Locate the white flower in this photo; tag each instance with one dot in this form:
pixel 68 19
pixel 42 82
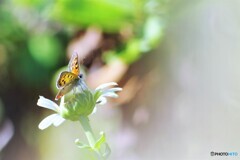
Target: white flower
pixel 55 118
pixel 107 92
pixel 82 103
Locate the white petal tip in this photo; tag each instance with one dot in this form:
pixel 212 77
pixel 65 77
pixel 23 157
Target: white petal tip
pixel 46 122
pixel 105 85
pixel 94 110
pixel 110 94
pixel 47 103
pixel 101 100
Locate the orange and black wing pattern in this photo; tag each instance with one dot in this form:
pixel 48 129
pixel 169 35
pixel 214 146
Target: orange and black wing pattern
pixel 65 78
pixel 73 65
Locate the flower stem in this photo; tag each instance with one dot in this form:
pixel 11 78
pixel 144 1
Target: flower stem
pixel 90 136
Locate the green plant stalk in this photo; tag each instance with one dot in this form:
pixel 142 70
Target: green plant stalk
pixel 90 135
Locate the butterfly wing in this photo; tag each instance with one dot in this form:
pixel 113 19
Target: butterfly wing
pixel 66 78
pixel 73 65
pixel 64 90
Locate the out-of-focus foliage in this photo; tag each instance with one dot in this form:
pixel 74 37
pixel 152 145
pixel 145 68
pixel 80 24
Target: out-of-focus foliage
pixel 48 53
pixel 34 37
pixel 28 53
pixel 106 14
pixel 138 22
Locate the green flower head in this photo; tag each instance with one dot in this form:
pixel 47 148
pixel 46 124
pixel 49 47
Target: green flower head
pixel 77 103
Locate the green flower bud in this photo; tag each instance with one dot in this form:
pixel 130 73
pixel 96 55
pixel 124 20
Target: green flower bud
pixel 76 105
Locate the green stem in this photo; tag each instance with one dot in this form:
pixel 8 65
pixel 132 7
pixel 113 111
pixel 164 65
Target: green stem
pixel 90 136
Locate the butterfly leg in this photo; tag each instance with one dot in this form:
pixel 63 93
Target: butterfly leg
pixel 81 88
pixel 82 85
pixel 74 92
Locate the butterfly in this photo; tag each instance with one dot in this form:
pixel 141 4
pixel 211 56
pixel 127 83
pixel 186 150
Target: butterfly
pixel 70 79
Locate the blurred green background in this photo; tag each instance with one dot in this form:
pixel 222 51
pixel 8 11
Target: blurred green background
pixel 177 62
pixel 37 37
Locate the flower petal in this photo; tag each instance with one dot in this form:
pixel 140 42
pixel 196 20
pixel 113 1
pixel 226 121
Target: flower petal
pixel 110 94
pixel 46 122
pixel 46 103
pixel 58 120
pixel 116 89
pixel 105 85
pixel 94 110
pixel 101 100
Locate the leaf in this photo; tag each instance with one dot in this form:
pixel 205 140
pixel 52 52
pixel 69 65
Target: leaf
pixel 48 53
pixel 97 94
pixel 107 151
pixel 122 13
pixel 82 145
pixel 153 31
pixel 132 51
pixel 100 141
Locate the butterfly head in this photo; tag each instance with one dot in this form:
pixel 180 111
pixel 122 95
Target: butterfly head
pixel 80 76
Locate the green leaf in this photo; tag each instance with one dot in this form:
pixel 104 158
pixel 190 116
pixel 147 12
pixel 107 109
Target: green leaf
pixel 100 141
pixel 82 145
pixel 87 13
pixel 152 33
pixel 107 151
pixel 96 95
pixel 45 49
pixel 132 51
